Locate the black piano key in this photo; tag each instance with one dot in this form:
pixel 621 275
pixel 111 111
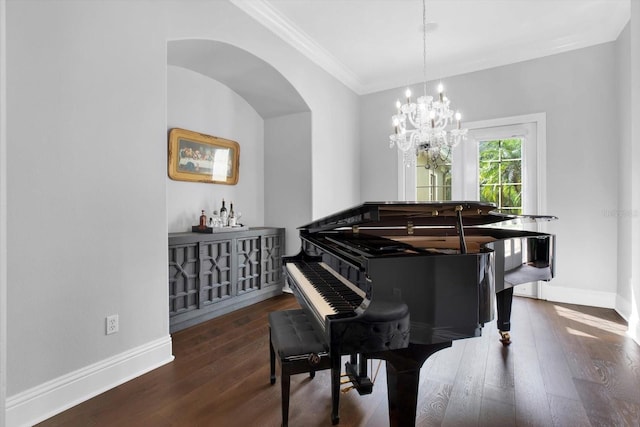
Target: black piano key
pixel 339 296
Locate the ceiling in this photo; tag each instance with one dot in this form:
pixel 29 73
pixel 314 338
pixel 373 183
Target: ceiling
pixel 373 45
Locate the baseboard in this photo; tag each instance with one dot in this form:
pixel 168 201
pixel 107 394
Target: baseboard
pixel 634 329
pixel 625 308
pixel 553 293
pixel 46 400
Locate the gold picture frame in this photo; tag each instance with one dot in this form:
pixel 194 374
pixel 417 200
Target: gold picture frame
pixel 198 157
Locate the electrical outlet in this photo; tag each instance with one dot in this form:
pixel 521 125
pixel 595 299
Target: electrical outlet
pixel 112 324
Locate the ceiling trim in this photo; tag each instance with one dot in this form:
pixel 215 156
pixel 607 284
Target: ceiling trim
pixel 273 20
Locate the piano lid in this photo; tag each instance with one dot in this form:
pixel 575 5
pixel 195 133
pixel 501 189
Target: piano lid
pixel 401 214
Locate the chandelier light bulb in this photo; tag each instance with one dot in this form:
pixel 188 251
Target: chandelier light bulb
pixel 440 88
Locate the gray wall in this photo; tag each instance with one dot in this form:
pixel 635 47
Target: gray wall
pixel 577 90
pixel 86 192
pixel 3 214
pixel 632 252
pixel 287 177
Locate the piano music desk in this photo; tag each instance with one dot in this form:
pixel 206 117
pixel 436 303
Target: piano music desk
pixel 299 348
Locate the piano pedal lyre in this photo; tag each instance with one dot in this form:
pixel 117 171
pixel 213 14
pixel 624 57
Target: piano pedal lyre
pixel 505 337
pixel 346 380
pixel 347 389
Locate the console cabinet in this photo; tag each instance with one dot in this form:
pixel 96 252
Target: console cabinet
pixel 214 274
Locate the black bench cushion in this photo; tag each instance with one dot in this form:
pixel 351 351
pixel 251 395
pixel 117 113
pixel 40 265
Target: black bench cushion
pixel 292 334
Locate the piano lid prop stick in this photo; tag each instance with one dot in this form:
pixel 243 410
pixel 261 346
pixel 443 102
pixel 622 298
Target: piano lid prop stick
pixel 460 227
pixel 373 381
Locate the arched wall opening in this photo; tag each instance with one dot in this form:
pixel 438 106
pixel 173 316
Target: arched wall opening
pixel 219 89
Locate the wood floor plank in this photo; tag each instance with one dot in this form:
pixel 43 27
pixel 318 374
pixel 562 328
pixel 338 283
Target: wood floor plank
pixel 564 410
pixel 629 412
pixel 556 373
pixel 568 341
pixel 568 365
pixel 466 395
pixel 433 403
pixel 532 407
pixel 601 408
pixel 497 412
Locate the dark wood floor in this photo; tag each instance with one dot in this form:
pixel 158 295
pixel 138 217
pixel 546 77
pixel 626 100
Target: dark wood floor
pixel 568 366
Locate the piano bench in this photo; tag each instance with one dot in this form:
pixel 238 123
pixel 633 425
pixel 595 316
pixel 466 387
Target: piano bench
pixel 299 348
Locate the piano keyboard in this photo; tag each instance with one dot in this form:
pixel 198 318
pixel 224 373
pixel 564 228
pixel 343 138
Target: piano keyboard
pixel 325 290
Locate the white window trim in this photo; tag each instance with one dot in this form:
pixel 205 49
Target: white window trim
pixel 539 162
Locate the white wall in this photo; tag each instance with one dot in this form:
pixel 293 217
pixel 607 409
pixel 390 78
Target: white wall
pixel 86 211
pixel 287 183
pixel 624 212
pixel 201 104
pixel 3 214
pixel 633 252
pixel 86 195
pixel 577 92
pixel 87 183
pixel 335 158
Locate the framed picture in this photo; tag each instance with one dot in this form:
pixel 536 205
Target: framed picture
pixel 198 157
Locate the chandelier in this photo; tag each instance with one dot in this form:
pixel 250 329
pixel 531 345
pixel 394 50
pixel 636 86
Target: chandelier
pixel 420 128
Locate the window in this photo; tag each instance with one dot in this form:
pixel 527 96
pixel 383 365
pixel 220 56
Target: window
pixel 512 154
pixel 500 173
pixel 432 184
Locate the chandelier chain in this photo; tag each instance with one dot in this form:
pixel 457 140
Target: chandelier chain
pixel 424 46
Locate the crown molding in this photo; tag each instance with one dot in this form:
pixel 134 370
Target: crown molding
pixel 265 14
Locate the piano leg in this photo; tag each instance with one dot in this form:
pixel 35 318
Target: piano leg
pixel 504 299
pixel 335 388
pixel 403 379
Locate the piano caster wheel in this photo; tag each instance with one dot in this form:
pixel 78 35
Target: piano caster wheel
pixel 505 338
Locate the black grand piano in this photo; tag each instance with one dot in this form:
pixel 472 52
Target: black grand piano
pixel 399 281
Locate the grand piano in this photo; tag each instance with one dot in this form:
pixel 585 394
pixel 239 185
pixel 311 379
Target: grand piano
pixel 399 281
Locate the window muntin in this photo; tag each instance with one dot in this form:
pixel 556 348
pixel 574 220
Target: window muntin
pixel 500 173
pixel 432 184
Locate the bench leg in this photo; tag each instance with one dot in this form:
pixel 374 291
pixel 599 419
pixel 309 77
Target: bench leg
pixel 272 360
pixel 285 380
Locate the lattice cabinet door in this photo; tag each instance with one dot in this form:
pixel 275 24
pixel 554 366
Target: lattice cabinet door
pixel 183 278
pixel 215 271
pixel 248 252
pixel 211 274
pixel 272 251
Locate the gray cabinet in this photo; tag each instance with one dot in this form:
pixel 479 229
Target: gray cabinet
pixel 214 274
